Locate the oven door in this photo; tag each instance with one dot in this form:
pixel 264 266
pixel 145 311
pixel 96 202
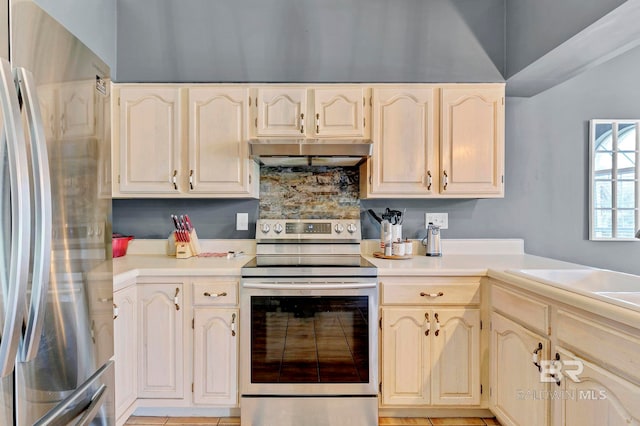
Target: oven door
pixel 309 336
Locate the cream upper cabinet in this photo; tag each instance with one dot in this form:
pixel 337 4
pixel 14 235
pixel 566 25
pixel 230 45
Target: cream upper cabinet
pixel 404 160
pixel 430 341
pixel 160 340
pixel 316 112
pixel 281 112
pixel 339 112
pixel 182 141
pixel 125 348
pixel 472 140
pixel 148 150
pixel 218 152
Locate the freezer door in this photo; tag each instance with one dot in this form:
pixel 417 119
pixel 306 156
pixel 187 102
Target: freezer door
pixel 91 404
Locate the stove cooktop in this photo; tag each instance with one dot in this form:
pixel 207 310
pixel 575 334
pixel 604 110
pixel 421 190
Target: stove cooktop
pixel 309 266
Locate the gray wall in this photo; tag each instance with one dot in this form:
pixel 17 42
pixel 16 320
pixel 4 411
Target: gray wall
pixel 535 27
pixel 310 40
pixel 92 21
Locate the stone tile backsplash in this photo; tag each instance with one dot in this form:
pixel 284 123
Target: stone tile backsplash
pixel 309 193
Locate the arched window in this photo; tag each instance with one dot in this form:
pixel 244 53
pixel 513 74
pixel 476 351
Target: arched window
pixel 615 167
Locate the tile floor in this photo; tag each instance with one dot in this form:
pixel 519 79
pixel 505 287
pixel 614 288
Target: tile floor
pixel 384 421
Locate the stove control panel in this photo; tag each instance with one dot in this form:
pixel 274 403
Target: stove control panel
pixel 308 229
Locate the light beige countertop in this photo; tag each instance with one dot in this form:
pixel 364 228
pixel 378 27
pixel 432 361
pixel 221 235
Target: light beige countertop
pixel 493 258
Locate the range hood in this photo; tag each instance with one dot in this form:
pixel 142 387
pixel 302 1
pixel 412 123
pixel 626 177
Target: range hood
pixel 310 152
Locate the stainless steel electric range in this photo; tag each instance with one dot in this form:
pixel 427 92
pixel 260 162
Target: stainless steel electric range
pixel 309 311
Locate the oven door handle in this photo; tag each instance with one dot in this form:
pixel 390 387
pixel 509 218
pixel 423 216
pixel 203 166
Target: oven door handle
pixel 309 286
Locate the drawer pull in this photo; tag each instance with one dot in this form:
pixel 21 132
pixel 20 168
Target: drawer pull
pixel 233 325
pixel 214 295
pixel 427 325
pixel 535 357
pixel 557 377
pixel 438 294
pixel 116 311
pixel 437 332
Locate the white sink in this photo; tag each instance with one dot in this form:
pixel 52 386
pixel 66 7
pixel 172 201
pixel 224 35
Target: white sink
pixel 585 280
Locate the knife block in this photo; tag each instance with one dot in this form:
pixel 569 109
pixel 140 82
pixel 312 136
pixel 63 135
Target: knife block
pixel 185 250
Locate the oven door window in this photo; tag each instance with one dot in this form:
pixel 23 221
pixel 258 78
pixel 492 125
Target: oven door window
pixel 309 339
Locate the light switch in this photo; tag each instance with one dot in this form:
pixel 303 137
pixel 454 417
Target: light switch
pixel 242 221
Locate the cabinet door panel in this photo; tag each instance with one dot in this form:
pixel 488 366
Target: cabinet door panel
pixel 472 144
pixel 405 357
pixel 404 135
pixel 515 382
pixel 338 112
pixel 218 151
pixel 599 398
pixel 281 112
pixel 125 348
pixel 149 140
pixel 161 342
pixel 215 352
pixel 455 368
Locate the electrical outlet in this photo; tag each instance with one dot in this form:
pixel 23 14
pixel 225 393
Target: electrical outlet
pixel 440 219
pixel 242 221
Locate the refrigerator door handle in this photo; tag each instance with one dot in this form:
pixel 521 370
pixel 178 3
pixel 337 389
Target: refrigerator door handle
pixel 42 215
pixel 16 281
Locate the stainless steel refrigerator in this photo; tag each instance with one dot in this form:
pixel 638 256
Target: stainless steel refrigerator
pixel 56 312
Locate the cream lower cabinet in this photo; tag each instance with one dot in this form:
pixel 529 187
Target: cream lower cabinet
pixel 125 332
pixel 431 345
pixel 161 340
pixel 181 141
pixel 215 341
pixel 430 356
pixel 518 397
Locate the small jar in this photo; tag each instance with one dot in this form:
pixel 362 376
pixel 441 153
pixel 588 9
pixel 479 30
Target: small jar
pixel 398 248
pixel 408 248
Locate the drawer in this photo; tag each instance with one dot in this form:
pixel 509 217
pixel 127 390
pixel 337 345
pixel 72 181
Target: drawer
pixel 599 343
pixel 521 308
pixel 450 291
pixel 209 293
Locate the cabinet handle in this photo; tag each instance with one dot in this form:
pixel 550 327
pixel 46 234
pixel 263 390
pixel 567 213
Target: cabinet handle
pixel 438 294
pixel 116 311
pixel 214 295
pixel 317 123
pixel 302 123
pixel 191 179
pixel 445 179
pixel 175 299
pixel 429 180
pixel 557 377
pixel 427 325
pixel 93 332
pixel 535 356
pixel 174 180
pixel 105 299
pixel 233 325
pixel 437 332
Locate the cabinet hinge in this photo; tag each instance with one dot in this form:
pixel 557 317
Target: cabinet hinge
pixel 249 100
pixel 380 323
pixel 118 100
pixel 249 179
pixel 192 387
pixel 490 392
pixel 480 324
pixel 502 178
pixel 490 326
pixel 370 102
pixel 502 101
pixel 193 323
pixel 480 389
pixel 256 122
pixel 549 331
pixel 364 122
pixel 380 387
pixel 364 102
pixel 118 178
